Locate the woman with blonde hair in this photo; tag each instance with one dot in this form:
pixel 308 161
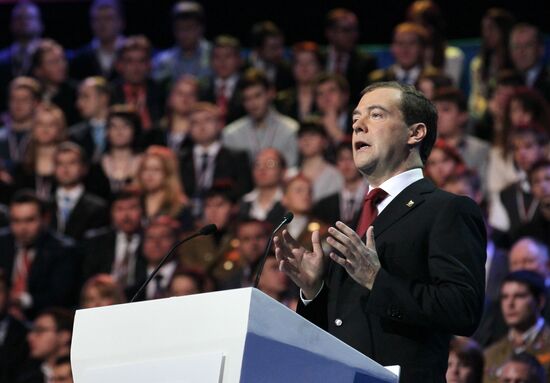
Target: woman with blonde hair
pixel 101 290
pixel 159 181
pixel 37 167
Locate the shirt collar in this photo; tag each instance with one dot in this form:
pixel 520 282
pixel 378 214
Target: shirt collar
pixel 212 149
pixel 529 336
pixel 398 183
pixel 73 194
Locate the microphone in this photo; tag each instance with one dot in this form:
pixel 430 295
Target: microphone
pixel 286 220
pixel 206 230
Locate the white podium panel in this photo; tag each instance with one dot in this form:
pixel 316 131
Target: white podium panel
pixel 229 336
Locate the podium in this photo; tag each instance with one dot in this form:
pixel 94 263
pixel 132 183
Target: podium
pixel 229 336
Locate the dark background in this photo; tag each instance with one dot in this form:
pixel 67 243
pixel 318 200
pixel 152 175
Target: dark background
pixel 67 21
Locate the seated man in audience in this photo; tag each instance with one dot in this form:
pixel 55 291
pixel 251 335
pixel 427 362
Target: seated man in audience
pixel 210 161
pixel 262 127
pixel 76 211
pixel 263 203
pixel 158 238
pixel 61 372
pixel 49 338
pixel 135 87
pixel 98 57
pixel 93 104
pixel 522 299
pixel 203 253
pixel 522 368
pixel 222 87
pixel 41 268
pixel 452 116
pixel 116 250
pixel 24 94
pixel 539 179
pixel 236 268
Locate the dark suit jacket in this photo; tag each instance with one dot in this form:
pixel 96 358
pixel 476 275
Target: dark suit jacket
pixel 235 109
pixel 65 98
pixel 82 135
pixel 90 212
pixel 287 103
pixel 274 216
pixel 431 284
pixel 155 98
pixel 85 63
pixel 99 253
pixel 14 349
pixel 230 165
pixel 328 209
pixel 54 273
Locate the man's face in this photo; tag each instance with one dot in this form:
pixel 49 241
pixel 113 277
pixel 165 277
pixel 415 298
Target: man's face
pixel 90 102
pixel 106 23
pixel 526 150
pixel 519 306
pixel 252 241
pixel 344 34
pixel 187 33
pixel 53 67
pixel 298 197
pixel 25 222
pixel 256 101
pixel 217 210
pixel 525 255
pixel 380 136
pixel 267 170
pixel 407 49
pixel 329 97
pixel 205 127
pixel 514 372
pixel 62 374
pixel 134 66
pixel 69 169
pixel 44 339
pixel 525 50
pixel 21 104
pixel 26 22
pixel 346 166
pixel 182 97
pixel 226 61
pixel 449 118
pixel 157 243
pixel 540 185
pixel 272 49
pixel 126 215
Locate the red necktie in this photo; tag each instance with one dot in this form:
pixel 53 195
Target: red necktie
pixel 221 98
pixel 369 212
pixel 21 275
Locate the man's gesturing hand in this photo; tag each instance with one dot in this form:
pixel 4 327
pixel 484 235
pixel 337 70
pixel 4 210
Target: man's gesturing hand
pixel 360 260
pixel 303 267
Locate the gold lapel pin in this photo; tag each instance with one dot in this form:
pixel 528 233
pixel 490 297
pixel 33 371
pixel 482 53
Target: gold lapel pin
pixel 410 203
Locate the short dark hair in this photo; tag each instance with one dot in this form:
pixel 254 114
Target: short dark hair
pixel 534 281
pixel 64 359
pixel 338 79
pixel 469 175
pixel 262 30
pixel 126 193
pixel 312 125
pixel 416 108
pixel 135 43
pixel 114 4
pixel 28 196
pixel 537 373
pixel 63 318
pixel 540 164
pixel 129 114
pixel 188 10
pixel 470 354
pixel 227 41
pixel 453 95
pixel 71 147
pixel 253 77
pixel 522 26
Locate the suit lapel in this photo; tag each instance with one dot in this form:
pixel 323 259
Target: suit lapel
pixel 405 202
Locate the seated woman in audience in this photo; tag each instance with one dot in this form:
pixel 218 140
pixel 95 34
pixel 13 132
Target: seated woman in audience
pixel 444 161
pixel 159 181
pixel 36 171
pixel 465 361
pixel 120 161
pixel 524 107
pixel 432 80
pixel 298 102
pixel 173 129
pixel 276 284
pixel 101 290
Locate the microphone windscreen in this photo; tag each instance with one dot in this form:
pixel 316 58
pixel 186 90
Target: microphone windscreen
pixel 288 217
pixel 208 229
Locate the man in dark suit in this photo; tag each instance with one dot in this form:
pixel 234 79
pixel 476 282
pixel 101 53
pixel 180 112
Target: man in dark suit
pixel 420 277
pixel 222 88
pixel 75 210
pixel 41 268
pixel 116 250
pixel 210 162
pixel 98 57
pixel 342 56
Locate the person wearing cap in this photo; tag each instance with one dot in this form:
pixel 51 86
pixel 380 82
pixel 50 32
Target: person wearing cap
pixel 191 53
pixel 522 299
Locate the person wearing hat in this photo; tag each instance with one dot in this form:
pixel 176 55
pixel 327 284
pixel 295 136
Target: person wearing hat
pixel 191 53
